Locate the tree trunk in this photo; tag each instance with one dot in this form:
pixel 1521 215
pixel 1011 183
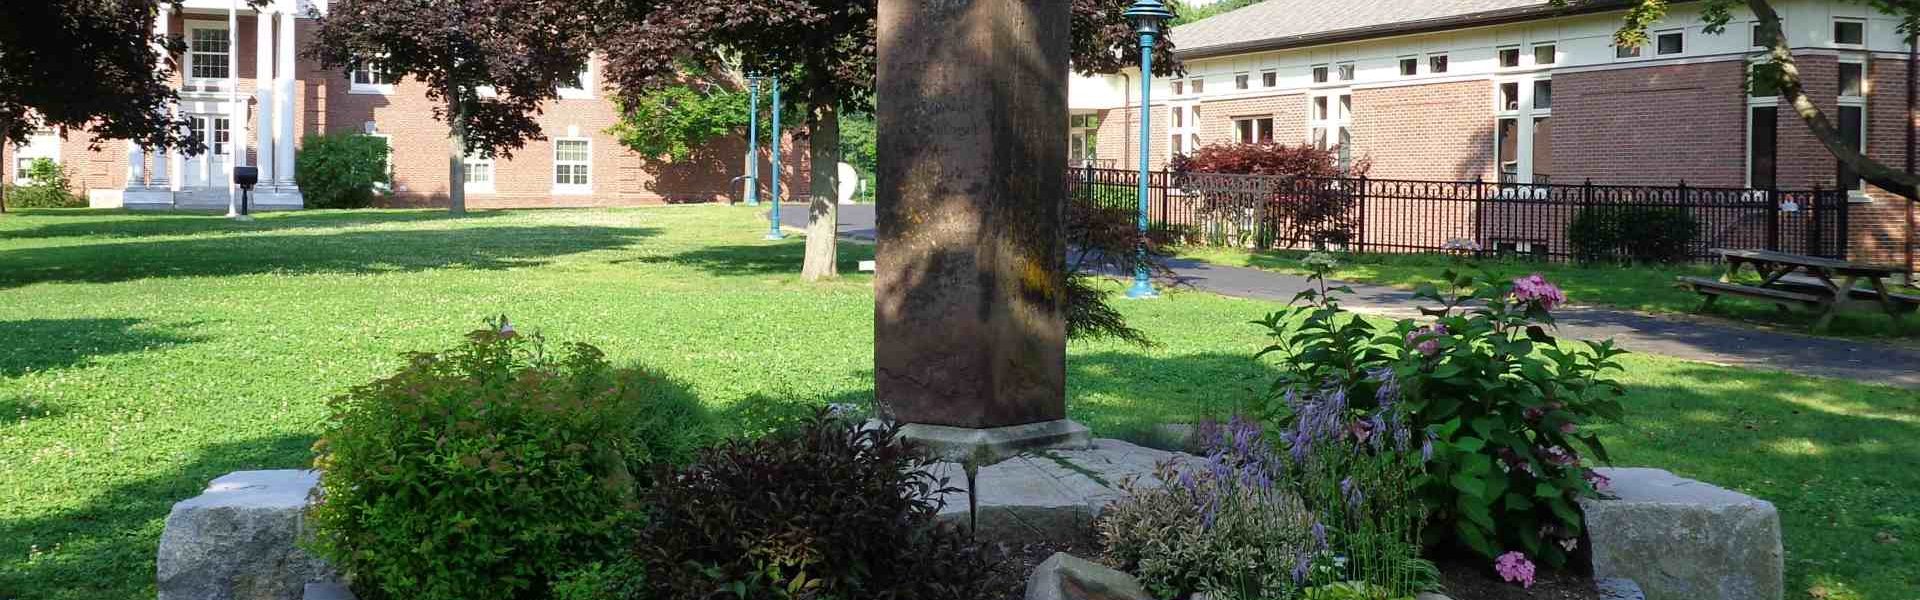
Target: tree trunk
pixel 823 211
pixel 1907 185
pixel 457 163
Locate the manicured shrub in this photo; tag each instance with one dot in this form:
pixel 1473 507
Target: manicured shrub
pixel 1267 159
pixel 1639 234
pixel 1494 402
pixel 829 509
pixel 1254 523
pixel 491 470
pixel 48 186
pixel 1297 200
pixel 342 170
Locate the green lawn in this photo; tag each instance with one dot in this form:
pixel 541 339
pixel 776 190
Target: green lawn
pixel 1642 288
pixel 142 355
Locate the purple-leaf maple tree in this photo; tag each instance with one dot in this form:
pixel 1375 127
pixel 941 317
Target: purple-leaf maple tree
pixel 489 65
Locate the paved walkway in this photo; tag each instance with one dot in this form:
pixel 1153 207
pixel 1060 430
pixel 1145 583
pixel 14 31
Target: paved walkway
pixel 1678 338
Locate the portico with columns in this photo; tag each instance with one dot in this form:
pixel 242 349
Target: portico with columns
pixel 243 118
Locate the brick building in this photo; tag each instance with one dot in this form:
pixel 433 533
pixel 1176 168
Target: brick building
pixel 1519 91
pixel 252 98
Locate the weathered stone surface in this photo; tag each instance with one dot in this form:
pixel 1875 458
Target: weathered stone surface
pixel 238 540
pixel 1681 539
pixel 328 591
pixel 1049 495
pixel 999 443
pixel 969 315
pixel 1619 589
pixel 1067 577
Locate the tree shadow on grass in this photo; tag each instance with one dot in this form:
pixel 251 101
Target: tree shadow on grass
pixel 45 344
pixel 1124 395
pixel 102 223
pixel 1840 461
pixel 764 259
pixel 489 248
pixel 105 547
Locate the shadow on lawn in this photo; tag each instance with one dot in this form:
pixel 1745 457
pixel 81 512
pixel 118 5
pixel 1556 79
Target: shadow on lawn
pixel 1125 394
pixel 44 344
pixel 105 547
pixel 768 259
pixel 141 224
pixel 293 253
pixel 1838 461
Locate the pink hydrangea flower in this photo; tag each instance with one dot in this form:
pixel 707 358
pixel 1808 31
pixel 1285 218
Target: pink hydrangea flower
pixel 1515 568
pixel 1535 289
pixel 1425 339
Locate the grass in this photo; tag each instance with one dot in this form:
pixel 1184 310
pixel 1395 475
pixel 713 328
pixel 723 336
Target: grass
pixel 143 355
pixel 1641 288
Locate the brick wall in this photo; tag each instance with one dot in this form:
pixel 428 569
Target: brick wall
pixel 1654 126
pixel 1441 131
pixel 1118 138
pixel 1289 114
pixel 1879 228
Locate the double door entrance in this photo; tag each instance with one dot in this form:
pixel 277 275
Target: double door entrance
pixel 213 168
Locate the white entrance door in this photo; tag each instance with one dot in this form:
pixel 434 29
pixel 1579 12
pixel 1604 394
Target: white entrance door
pixel 210 169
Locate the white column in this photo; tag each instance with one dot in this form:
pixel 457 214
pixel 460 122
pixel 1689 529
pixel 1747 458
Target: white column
pixel 136 166
pixel 263 82
pixel 283 97
pixel 163 162
pixel 236 110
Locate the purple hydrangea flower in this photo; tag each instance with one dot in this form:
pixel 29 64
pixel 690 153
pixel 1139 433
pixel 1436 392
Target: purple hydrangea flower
pixel 1534 289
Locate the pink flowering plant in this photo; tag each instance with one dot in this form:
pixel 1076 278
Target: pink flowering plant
pixel 1496 407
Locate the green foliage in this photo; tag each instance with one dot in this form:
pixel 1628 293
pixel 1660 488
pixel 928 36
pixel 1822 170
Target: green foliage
pixel 48 186
pixel 1632 234
pixel 859 139
pixel 829 509
pixel 1187 14
pixel 342 170
pixel 1251 523
pixel 491 470
pixel 676 120
pixel 1497 402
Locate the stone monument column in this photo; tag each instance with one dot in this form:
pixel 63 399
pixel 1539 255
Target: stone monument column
pixel 969 321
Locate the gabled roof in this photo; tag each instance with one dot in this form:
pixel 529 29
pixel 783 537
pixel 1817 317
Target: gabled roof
pixel 1277 24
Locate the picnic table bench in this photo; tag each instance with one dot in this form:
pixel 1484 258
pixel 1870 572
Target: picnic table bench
pixel 1806 281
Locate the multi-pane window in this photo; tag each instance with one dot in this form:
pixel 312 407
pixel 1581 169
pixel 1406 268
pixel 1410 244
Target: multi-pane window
pixel 1853 79
pixel 1543 94
pixel 1546 54
pixel 572 163
pixel 576 87
pixel 1510 96
pixel 43 144
pixel 1437 63
pixel 1242 81
pixel 371 75
pixel 209 56
pixel 1346 71
pixel 1331 125
pixel 1179 87
pixel 1184 136
pixel 1669 43
pixel 1409 66
pixel 1523 132
pixel 1763 147
pixel 479 172
pixel 1509 57
pixel 1257 130
pixel 1853 128
pixel 1269 79
pixel 1626 52
pixel 1849 32
pixel 215 132
pixel 1199 85
pixel 1320 74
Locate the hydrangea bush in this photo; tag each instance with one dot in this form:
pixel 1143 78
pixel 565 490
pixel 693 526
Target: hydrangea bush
pixel 1495 404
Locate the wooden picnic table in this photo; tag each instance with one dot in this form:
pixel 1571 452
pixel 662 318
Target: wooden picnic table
pixel 1823 285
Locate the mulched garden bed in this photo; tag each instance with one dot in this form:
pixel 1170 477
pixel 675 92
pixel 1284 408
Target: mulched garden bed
pixel 1474 579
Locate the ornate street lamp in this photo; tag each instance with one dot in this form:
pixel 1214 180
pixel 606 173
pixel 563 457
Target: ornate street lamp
pixel 1149 17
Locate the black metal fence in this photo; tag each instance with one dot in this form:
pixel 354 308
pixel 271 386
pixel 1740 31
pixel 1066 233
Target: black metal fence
pixel 1541 220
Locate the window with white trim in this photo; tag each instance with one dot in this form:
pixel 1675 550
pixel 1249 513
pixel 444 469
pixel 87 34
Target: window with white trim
pixel 42 144
pixel 1626 52
pixel 1242 81
pixel 371 76
pixel 580 87
pixel 1669 43
pixel 1319 73
pixel 572 165
pixel 1199 86
pixel 1509 57
pixel 209 53
pixel 479 176
pixel 1345 70
pixel 1254 130
pixel 1436 63
pixel 1523 130
pixel 1851 119
pixel 1184 136
pixel 1546 54
pixel 1849 32
pixel 1409 66
pixel 1269 78
pixel 1763 132
pixel 1330 124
